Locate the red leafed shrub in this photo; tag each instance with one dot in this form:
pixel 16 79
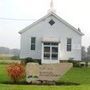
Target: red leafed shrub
pixel 16 71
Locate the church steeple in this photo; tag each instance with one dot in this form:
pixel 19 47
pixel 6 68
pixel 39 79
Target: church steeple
pixel 52 7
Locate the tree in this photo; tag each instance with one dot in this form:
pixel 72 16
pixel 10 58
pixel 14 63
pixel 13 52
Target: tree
pixel 88 53
pixel 83 53
pixel 88 50
pixel 16 72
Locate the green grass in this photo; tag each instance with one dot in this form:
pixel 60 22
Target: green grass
pixel 34 87
pixel 75 75
pixel 3 73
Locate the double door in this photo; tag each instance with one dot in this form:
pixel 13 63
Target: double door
pixel 50 52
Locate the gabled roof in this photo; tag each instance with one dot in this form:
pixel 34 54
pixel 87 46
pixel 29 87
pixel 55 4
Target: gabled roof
pixel 60 19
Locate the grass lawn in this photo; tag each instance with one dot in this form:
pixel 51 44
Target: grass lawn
pixel 3 73
pixel 75 75
pixel 32 87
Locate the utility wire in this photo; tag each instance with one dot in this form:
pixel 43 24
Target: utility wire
pixel 1 18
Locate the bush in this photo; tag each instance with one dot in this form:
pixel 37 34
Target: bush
pixel 75 63
pixel 27 60
pixel 86 63
pixel 16 71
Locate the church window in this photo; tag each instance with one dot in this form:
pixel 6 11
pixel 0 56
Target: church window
pixel 33 42
pixel 69 44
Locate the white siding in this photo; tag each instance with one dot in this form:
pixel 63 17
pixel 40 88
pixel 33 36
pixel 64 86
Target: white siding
pixel 58 30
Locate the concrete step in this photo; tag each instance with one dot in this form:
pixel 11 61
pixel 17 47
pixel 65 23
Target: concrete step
pixel 53 72
pixel 46 72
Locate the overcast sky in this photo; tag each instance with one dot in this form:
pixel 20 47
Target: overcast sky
pixel 17 14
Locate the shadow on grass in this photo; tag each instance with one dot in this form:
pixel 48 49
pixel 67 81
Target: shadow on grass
pixel 17 83
pixel 56 83
pixel 67 83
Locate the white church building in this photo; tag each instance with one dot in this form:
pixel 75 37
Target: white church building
pixel 51 39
